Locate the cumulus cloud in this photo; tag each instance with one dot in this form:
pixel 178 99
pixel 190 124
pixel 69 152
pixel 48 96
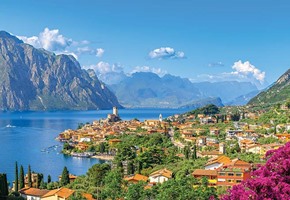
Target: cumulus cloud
pixel 53 40
pixel 248 70
pixel 110 74
pixel 243 72
pixel 100 52
pixel 157 71
pixel 50 40
pixel 166 53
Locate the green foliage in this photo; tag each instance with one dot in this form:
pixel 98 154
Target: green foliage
pixel 183 189
pixel 21 177
pixel 268 140
pixel 64 177
pixel 97 173
pixel 206 110
pixel 136 191
pixel 3 186
pixel 16 178
pixel 29 176
pixel 113 185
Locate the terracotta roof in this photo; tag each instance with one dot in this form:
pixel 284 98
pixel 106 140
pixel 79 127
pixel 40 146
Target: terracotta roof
pixel 203 172
pixel 220 159
pixel 88 196
pixel 33 192
pixel 137 177
pixel 62 192
pixel 162 172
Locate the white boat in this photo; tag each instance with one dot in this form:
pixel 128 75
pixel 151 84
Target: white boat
pixel 10 126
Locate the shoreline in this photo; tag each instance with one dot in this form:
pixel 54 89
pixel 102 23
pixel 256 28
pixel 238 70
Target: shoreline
pixel 103 157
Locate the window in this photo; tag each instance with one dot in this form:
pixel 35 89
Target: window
pixel 231 174
pixel 222 173
pixel 238 181
pixel 239 174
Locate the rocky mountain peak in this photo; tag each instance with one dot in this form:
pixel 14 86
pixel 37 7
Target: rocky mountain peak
pixel 284 78
pixel 35 79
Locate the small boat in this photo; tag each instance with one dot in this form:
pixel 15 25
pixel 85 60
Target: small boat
pixel 10 126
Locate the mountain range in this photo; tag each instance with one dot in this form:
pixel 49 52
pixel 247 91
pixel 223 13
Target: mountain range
pixel 147 89
pixel 36 79
pixel 279 92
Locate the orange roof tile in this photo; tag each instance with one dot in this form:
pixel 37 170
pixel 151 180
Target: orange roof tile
pixel 33 192
pixel 137 177
pixel 62 192
pixel 220 159
pixel 204 172
pixel 162 172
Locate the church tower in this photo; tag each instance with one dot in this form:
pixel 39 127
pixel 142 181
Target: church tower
pixel 160 118
pixel 115 111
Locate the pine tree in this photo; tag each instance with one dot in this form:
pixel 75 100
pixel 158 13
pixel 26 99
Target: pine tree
pixel 21 178
pixel 64 177
pixel 16 178
pixel 29 176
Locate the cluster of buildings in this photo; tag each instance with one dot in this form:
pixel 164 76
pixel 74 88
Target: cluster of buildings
pixel 97 132
pixel 56 194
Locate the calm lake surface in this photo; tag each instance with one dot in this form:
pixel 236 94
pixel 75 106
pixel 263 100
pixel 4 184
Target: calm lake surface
pixel 24 134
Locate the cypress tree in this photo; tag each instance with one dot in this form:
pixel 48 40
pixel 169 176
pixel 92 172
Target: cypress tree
pixel 130 168
pixel 64 177
pixel 48 179
pixel 29 177
pixel 21 178
pixel 16 178
pixel 194 156
pixel 3 186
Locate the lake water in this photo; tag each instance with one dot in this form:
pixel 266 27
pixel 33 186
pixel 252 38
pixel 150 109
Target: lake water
pixel 24 134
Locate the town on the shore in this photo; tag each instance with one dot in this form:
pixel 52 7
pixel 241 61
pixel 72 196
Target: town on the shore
pixel 215 148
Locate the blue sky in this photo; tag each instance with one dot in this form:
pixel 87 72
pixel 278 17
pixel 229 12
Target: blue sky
pixel 245 40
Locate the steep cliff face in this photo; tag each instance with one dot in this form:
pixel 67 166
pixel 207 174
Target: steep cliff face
pixel 279 92
pixel 35 79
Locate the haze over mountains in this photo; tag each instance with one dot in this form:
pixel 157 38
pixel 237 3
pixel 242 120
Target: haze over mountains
pixel 35 79
pixel 147 89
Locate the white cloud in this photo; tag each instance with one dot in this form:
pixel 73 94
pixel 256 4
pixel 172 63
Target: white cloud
pixel 110 74
pixel 166 53
pixel 248 70
pixel 52 40
pixel 100 52
pixel 157 71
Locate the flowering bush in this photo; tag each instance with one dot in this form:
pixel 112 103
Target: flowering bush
pixel 269 182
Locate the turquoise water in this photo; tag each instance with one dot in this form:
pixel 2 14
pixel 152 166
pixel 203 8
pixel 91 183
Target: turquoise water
pixel 24 134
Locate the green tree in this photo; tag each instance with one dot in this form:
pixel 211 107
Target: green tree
pixel 3 186
pixel 194 153
pixel 130 167
pixel 136 191
pixel 48 179
pixel 16 178
pixel 102 147
pixel 186 152
pixel 29 176
pixel 21 178
pixel 97 173
pixel 64 177
pixel 113 185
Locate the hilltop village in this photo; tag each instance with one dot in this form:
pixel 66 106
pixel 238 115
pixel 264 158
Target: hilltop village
pixel 198 154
